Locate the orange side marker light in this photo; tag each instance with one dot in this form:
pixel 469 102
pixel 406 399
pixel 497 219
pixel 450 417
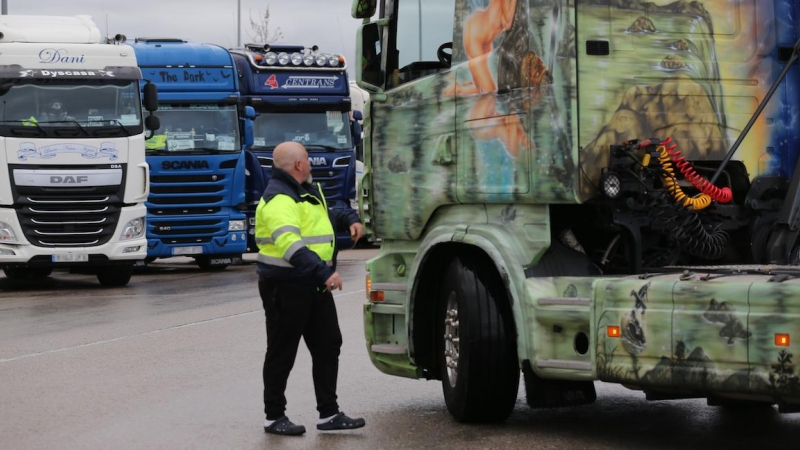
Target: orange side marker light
pixel 782 340
pixel 613 331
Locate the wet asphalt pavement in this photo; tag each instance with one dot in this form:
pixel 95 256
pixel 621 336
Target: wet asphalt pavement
pixel 173 361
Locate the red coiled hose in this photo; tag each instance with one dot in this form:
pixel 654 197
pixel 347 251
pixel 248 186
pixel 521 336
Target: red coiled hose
pixel 721 195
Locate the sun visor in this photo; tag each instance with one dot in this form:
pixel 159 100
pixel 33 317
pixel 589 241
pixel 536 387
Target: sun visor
pixel 107 73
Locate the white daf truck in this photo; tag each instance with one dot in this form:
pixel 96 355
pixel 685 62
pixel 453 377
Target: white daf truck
pixel 73 176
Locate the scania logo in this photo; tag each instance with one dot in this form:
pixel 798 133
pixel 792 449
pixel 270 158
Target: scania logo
pixel 68 179
pixel 184 165
pixel 318 160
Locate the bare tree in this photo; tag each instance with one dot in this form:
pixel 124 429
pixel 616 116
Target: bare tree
pixel 261 33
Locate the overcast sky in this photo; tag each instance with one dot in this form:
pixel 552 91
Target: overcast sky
pixel 326 23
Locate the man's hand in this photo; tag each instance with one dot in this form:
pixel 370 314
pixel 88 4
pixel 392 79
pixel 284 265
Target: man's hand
pixel 334 282
pixel 356 231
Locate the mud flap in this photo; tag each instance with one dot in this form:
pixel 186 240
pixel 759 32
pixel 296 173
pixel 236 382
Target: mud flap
pixel 542 393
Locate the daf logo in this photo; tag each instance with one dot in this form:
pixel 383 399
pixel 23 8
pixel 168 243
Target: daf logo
pixel 318 160
pixel 184 165
pixel 68 179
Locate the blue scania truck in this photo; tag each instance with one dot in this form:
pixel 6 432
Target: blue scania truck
pixel 196 207
pixel 301 94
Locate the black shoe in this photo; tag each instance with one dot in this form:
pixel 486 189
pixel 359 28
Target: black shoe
pixel 285 427
pixel 341 422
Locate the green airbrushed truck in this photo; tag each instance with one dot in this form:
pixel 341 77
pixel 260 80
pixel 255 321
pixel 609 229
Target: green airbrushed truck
pixel 582 190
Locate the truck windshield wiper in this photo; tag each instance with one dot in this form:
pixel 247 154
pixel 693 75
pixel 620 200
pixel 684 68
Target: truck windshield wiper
pixel 124 128
pixel 30 128
pixel 77 124
pixel 329 148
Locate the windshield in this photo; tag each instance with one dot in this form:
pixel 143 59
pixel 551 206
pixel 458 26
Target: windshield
pixel 196 128
pixel 317 131
pixel 40 107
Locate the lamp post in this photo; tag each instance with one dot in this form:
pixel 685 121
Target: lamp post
pixel 4 7
pixel 238 23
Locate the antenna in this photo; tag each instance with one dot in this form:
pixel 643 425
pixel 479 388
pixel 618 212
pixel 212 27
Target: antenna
pixel 106 25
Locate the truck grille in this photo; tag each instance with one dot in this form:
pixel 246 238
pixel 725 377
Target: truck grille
pixel 66 216
pixel 332 181
pixel 184 209
pixel 67 220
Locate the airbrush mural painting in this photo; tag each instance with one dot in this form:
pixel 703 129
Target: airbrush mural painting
pixel 524 113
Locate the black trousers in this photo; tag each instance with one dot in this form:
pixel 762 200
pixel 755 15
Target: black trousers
pixel 294 311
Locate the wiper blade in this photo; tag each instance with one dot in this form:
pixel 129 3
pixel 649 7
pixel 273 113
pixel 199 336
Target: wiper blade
pixel 124 128
pixel 26 128
pixel 75 122
pixel 329 148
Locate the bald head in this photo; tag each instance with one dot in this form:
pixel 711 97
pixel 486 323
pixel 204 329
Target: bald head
pixel 292 158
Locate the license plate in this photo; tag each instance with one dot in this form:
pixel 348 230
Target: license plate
pixel 71 257
pixel 194 250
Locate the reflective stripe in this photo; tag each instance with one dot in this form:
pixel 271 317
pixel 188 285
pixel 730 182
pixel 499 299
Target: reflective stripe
pixel 285 229
pixel 272 261
pixel 292 229
pixel 324 239
pixel 293 249
pixel 269 260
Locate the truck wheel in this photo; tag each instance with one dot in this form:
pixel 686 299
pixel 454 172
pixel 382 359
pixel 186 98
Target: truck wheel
pixel 40 272
pixel 477 355
pixel 15 273
pixel 114 276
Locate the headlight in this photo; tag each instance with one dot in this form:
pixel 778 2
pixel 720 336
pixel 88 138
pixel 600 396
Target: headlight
pixel 322 60
pixel 308 59
pixel 611 185
pixel 283 58
pixel 133 230
pixel 297 59
pixel 333 60
pixel 270 58
pixel 7 235
pixel 236 225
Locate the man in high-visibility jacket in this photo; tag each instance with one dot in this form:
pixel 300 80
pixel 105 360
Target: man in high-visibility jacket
pixel 295 237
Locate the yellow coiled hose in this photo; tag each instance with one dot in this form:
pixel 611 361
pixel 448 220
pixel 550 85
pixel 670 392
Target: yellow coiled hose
pixel 698 202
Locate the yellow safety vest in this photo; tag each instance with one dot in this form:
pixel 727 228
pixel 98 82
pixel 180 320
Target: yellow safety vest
pixel 283 226
pixel 157 142
pixel 30 122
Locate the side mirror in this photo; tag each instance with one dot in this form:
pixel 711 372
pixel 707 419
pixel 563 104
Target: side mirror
pixel 150 97
pixel 247 129
pixel 363 9
pixel 357 115
pixel 249 113
pixel 248 133
pixel 152 123
pixel 356 131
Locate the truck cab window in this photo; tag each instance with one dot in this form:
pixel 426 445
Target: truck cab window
pixel 422 27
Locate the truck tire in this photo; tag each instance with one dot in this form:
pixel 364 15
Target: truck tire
pixel 114 276
pixel 477 344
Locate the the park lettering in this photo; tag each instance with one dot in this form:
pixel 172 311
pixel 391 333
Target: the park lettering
pixel 189 76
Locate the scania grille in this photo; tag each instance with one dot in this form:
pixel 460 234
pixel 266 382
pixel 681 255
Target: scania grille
pixel 68 221
pixel 187 227
pixel 183 192
pixel 331 180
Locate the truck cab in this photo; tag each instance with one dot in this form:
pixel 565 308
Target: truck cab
pixel 72 143
pixel 196 206
pixel 301 94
